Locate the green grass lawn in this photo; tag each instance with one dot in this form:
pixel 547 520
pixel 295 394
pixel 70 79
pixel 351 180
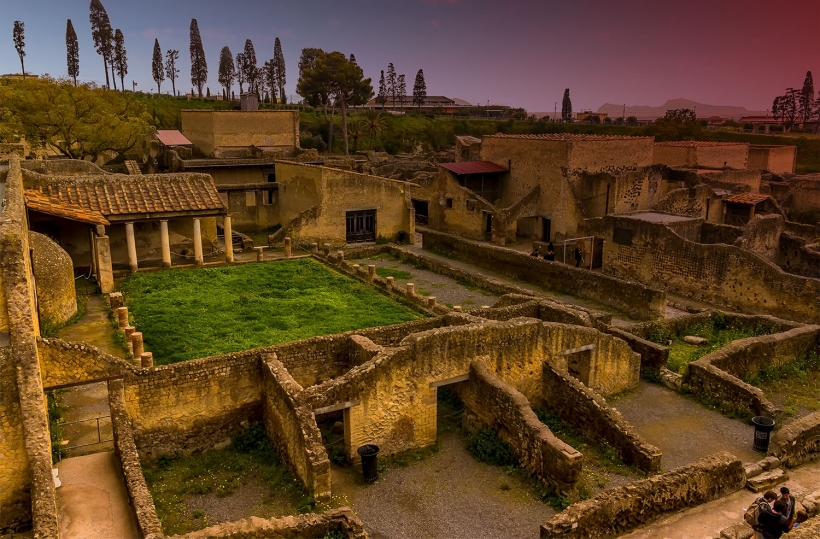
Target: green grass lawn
pixel 188 314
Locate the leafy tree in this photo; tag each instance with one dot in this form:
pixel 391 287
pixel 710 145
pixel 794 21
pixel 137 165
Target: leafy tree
pixel 249 65
pixel 102 34
pixel 240 70
pixel 227 72
pixel 76 121
pixel 677 124
pixel 402 89
pixel 790 106
pixel 382 88
pixel 72 52
pixel 805 108
pixel 120 57
pixel 419 90
pixel 19 36
pixel 199 67
pixel 632 120
pixel 268 76
pixel 566 107
pixel 315 85
pixel 279 64
pixel 392 86
pixel 171 71
pixel 157 67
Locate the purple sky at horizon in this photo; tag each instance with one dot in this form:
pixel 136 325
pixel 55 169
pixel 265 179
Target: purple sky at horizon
pixel 517 52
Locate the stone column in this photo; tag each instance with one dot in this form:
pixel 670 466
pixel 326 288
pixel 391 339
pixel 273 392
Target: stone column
pixel 146 360
pixel 132 247
pixel 197 243
pixel 93 252
pixel 105 273
pixel 371 272
pixel 136 345
pixel 122 317
pixel 314 248
pixel 411 289
pixel 287 248
pixel 166 243
pixel 226 227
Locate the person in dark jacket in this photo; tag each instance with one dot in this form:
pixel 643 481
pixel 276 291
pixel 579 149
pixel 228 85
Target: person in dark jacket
pixel 550 253
pixel 579 256
pixel 789 501
pixel 774 523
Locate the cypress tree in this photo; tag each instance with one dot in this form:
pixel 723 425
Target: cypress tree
pixel 171 71
pixel 566 107
pixel 227 72
pixel 102 34
pixel 157 67
pixel 392 87
pixel 279 64
pixel 249 65
pixel 72 51
pixel 199 67
pixel 382 88
pixel 19 36
pixel 807 98
pixel 120 57
pixel 419 89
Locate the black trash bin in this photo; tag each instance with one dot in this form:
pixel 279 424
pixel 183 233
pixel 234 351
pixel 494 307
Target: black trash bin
pixel 763 429
pixel 369 454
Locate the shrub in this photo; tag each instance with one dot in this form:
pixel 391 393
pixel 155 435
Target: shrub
pixel 487 447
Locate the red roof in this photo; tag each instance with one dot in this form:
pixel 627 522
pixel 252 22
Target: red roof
pixel 473 167
pixel 39 201
pixel 172 137
pixel 747 198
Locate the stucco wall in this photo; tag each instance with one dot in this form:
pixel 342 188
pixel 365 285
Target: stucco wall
pixel 702 155
pixel 212 130
pixel 54 278
pixel 775 159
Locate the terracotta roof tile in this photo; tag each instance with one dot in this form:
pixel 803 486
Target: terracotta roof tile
pixel 172 137
pixel 473 167
pixel 38 201
pixel 747 198
pixel 567 137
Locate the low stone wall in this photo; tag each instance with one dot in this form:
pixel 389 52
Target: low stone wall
pixel 586 410
pixel 125 450
pixel 500 406
pixel 797 442
pixel 310 526
pixel 808 530
pixel 362 350
pixel 719 375
pixel 653 356
pixel 71 362
pixel 291 426
pixel 636 299
pixel 618 510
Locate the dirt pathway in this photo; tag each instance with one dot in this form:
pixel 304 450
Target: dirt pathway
pixel 92 502
pixel 94 328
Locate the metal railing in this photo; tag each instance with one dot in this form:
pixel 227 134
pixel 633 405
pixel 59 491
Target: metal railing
pixel 62 449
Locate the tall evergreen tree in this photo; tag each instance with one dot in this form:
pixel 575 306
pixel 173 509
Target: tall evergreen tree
pixel 199 67
pixel 270 78
pixel 120 57
pixel 382 88
pixel 806 105
pixel 419 89
pixel 19 36
pixel 171 71
pixel 566 107
pixel 102 34
pixel 72 52
pixel 249 65
pixel 227 73
pixel 353 59
pixel 402 89
pixel 392 88
pixel 279 64
pixel 157 67
pixel 240 70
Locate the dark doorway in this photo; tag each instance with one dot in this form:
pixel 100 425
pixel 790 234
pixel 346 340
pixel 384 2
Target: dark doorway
pixel 422 210
pixel 578 364
pixel 488 228
pixel 546 224
pixel 361 226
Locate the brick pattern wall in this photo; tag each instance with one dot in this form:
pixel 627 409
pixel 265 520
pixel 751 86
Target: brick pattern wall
pixel 618 510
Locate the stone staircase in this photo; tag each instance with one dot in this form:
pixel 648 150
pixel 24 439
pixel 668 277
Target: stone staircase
pixel 132 167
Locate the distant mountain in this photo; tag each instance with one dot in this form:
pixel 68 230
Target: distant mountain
pixel 644 112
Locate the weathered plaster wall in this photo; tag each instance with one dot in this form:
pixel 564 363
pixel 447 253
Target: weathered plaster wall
pixel 618 510
pixel 211 131
pixel 732 155
pixel 635 299
pixel 699 201
pixel 775 159
pixel 54 279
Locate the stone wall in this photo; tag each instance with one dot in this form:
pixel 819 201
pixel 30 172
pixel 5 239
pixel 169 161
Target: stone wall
pixel 699 201
pixel 775 159
pixel 799 256
pixel 720 274
pixel 797 442
pixel 618 510
pixel 727 234
pixel 310 526
pixel 224 133
pixel 502 408
pixel 139 497
pixel 64 363
pixel 803 193
pixel 653 356
pixel 291 425
pixel 54 278
pixel 581 407
pixel 637 300
pixel 701 154
pixel 719 376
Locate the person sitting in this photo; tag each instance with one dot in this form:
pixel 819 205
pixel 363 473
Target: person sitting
pixel 535 250
pixel 550 253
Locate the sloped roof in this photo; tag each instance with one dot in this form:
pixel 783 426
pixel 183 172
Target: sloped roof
pixel 38 201
pixel 120 196
pixel 747 198
pixel 473 167
pixel 172 137
pixel 567 137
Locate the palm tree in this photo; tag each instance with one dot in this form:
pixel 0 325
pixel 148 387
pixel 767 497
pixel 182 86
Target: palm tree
pixel 355 131
pixel 374 121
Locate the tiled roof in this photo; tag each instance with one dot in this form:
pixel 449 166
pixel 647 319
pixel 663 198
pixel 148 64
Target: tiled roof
pixel 473 167
pixel 172 137
pixel 747 198
pixel 38 201
pixel 567 137
pixel 698 143
pixel 124 195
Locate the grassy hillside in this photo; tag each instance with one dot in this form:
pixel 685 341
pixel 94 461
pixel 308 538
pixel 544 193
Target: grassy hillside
pixel 404 133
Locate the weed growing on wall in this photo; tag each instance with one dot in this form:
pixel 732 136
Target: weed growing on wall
pixel 795 384
pixel 56 410
pixel 187 314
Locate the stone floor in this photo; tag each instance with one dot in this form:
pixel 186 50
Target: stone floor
pixel 92 502
pixel 93 328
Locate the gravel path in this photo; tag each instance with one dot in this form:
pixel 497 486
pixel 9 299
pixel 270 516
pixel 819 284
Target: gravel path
pixel 449 495
pixel 683 429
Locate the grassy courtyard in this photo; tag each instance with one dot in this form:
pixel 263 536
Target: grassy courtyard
pixel 188 314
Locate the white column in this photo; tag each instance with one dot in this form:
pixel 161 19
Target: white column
pixel 166 244
pixel 132 247
pixel 198 243
pixel 226 226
